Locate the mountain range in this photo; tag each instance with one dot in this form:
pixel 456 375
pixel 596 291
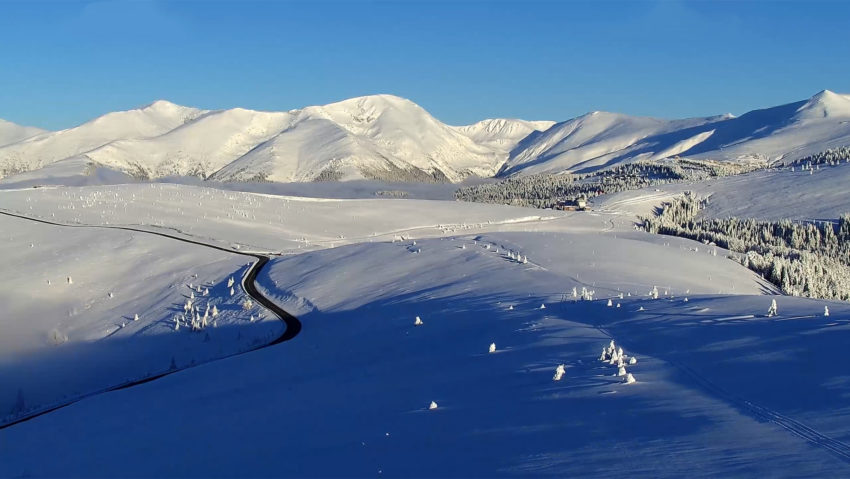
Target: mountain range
pixel 386 137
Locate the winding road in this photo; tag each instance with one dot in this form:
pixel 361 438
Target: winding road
pixel 293 325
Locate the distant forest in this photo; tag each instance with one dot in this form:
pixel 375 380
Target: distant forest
pixel 548 191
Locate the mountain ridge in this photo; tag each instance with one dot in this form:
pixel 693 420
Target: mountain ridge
pixel 387 137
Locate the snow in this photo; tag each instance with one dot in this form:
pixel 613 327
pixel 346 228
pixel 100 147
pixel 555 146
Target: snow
pixel 359 371
pixel 82 285
pixel 600 139
pixel 769 195
pixel 43 149
pixel 12 133
pixel 378 136
pixel 385 137
pixel 501 134
pixel 721 389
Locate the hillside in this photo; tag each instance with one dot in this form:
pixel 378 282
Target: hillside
pixel 46 148
pixel 12 133
pixel 601 139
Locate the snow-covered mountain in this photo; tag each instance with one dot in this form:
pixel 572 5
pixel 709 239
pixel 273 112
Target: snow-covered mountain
pixel 379 137
pixel 12 133
pixel 502 134
pixel 600 139
pixel 49 147
pixel 390 138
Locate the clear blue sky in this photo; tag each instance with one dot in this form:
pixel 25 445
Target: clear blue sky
pixel 62 63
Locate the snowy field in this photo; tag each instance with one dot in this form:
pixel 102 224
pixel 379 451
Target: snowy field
pixel 720 388
pixel 365 375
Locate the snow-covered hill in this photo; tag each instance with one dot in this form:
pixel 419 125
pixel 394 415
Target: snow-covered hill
pixel 601 139
pixel 12 133
pixel 46 148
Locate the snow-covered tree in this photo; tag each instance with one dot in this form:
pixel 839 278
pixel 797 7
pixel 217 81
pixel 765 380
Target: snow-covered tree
pixel 630 379
pixel 418 321
pixel 621 371
pixel 559 373
pixel 826 310
pixel 433 405
pixel 214 311
pixel 492 347
pixel 773 310
pixel 70 280
pixel 230 282
pixel 232 291
pixel 135 317
pixel 632 360
pixel 610 303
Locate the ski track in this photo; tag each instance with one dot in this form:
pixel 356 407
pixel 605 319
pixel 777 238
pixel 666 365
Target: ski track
pixel 835 447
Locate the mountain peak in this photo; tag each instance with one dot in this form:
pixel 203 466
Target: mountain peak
pixel 824 104
pixel 162 105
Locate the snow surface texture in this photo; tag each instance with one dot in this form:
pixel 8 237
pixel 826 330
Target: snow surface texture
pixel 365 375
pixel 265 222
pixel 63 337
pixel 384 137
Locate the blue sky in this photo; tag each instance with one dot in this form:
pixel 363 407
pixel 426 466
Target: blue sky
pixel 62 63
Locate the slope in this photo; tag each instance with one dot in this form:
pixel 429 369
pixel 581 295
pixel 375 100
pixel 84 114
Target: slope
pixel 502 134
pixel 199 148
pixel 12 133
pixel 600 139
pixel 375 137
pixel 43 149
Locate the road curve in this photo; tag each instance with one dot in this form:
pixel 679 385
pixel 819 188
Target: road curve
pixel 293 325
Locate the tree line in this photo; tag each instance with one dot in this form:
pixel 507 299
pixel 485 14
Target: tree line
pixel 549 190
pixel 800 258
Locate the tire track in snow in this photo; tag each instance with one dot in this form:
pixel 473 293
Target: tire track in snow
pixel 293 325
